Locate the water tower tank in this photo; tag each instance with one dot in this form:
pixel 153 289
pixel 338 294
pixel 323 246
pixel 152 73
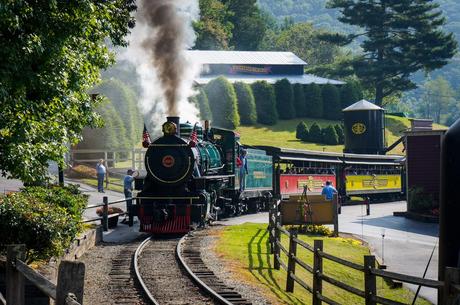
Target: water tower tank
pixel 364 131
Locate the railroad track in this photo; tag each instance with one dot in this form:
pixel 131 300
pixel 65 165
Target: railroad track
pixel 188 252
pixel 170 271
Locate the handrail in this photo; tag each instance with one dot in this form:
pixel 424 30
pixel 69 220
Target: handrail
pixel 407 278
pixel 341 261
pixel 39 280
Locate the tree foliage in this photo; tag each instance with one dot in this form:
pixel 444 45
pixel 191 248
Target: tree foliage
pixel 340 134
pixel 249 25
pixel 331 102
pixel 397 39
pixel 51 54
pixel 438 99
pixel 213 29
pixel 314 101
pixel 246 103
pixel 350 93
pixel 264 95
pixel 303 40
pixel 223 104
pixel 299 101
pixel 284 99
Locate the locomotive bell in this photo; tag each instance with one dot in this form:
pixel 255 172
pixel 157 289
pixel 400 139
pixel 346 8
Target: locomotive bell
pixel 169 129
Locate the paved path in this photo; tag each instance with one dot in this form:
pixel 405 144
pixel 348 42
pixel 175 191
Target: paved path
pixel 407 243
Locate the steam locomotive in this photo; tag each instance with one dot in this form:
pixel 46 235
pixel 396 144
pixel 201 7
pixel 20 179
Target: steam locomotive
pixel 193 176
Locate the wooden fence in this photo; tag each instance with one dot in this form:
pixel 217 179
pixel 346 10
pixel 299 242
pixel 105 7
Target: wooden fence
pixel 70 282
pixel 135 155
pixel 448 290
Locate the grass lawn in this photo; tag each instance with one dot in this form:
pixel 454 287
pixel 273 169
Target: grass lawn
pixel 245 249
pixel 112 187
pixel 283 134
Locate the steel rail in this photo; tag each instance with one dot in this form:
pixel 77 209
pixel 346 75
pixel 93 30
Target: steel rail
pixel 138 274
pixel 216 296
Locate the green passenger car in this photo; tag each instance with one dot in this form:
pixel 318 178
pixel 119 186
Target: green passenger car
pixel 260 171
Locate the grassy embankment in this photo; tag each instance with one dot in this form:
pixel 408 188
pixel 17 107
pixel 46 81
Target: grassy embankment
pixel 283 134
pixel 245 250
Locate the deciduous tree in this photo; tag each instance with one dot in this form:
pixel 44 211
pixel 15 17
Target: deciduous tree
pixel 51 55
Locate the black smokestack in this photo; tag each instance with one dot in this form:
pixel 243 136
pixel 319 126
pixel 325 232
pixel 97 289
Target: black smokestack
pixel 165 46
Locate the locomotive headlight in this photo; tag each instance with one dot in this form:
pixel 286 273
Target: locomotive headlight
pixel 169 128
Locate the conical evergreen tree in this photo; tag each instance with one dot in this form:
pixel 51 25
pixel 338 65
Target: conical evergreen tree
pixel 331 102
pixel 299 101
pixel 264 95
pixel 222 101
pixel 284 99
pixel 246 103
pixel 313 101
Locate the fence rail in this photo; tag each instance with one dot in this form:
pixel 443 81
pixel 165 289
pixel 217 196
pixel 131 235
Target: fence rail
pixel 70 282
pixel 448 290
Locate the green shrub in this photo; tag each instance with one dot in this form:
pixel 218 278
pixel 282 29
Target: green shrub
pixel 299 101
pixel 46 229
pixel 284 99
pixel 222 100
pixel 340 135
pixel 419 200
pixel 332 109
pixel 246 103
pixel 330 136
pixel 68 197
pixel 315 133
pixel 314 101
pixel 301 131
pixel 264 95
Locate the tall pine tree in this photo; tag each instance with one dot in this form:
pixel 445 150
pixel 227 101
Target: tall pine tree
pixel 398 38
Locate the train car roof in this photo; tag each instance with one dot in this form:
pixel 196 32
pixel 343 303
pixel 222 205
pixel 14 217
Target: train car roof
pixel 287 154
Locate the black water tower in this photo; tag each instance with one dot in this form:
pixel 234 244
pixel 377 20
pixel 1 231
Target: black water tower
pixel 364 131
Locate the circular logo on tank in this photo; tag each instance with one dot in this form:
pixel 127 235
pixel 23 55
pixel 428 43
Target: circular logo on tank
pixel 168 161
pixel 358 128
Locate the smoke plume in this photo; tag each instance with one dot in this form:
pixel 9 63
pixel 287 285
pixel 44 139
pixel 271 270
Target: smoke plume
pixel 157 48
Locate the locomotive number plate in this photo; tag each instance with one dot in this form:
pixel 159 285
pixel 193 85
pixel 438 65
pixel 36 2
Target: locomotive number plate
pixel 168 161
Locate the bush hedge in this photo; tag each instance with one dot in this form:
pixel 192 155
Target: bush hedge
pixel 246 103
pixel 332 110
pixel 284 99
pixel 45 220
pixel 330 136
pixel 202 102
pixel 223 104
pixel 314 101
pixel 315 134
pixel 302 131
pixel 264 95
pixel 299 101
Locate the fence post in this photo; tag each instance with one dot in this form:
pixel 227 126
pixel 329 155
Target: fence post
pixel 71 279
pixel 276 255
pixel 368 206
pixel 270 227
pixel 370 286
pixel 336 217
pixel 291 261
pixel 105 213
pixel 451 277
pixel 14 279
pixel 317 269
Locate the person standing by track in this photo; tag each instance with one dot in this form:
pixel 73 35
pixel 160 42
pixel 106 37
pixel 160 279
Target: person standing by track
pixel 128 190
pixel 101 171
pixel 329 191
